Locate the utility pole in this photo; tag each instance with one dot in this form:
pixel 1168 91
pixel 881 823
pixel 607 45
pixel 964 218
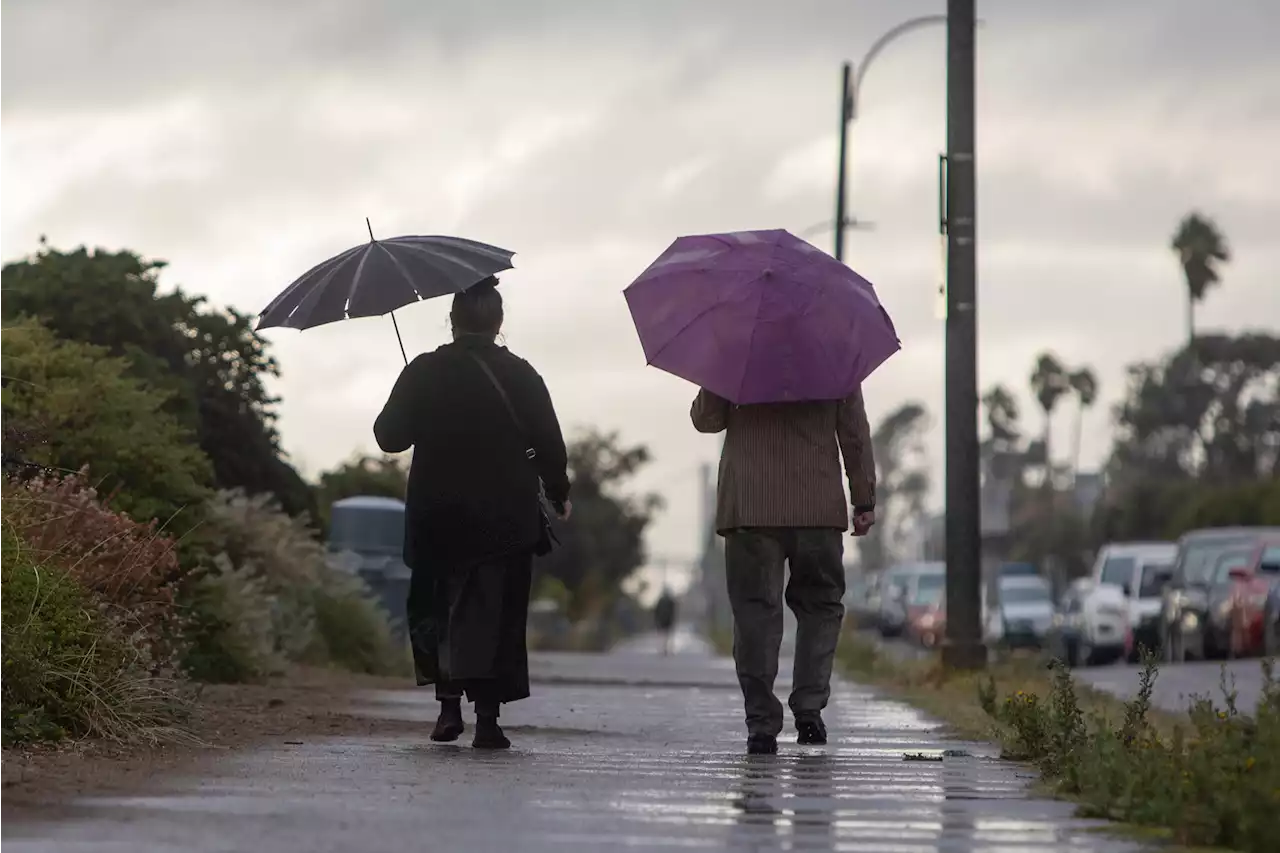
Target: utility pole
pixel 846 114
pixel 851 79
pixel 963 648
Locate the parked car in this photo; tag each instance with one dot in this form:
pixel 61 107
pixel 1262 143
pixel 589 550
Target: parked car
pixel 1025 612
pixel 1271 623
pixel 1018 570
pixel 1091 625
pixel 1141 570
pixel 926 594
pixel 862 601
pixel 1247 620
pixel 895 584
pixel 929 626
pixel 1186 600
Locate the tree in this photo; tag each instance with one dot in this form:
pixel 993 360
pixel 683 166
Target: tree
pixel 1002 450
pixel 1209 412
pixel 1085 387
pixel 603 545
pixel 80 407
pixel 211 363
pixel 376 476
pixel 1200 248
pixel 1002 416
pixel 1049 383
pixel 902 484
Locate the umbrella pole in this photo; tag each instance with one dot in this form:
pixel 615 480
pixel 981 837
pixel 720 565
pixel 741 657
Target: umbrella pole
pixel 399 339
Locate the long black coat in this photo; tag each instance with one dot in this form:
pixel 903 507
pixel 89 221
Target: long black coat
pixel 473 492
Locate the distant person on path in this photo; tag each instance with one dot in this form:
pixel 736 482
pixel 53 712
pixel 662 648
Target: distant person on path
pixel 664 616
pixel 780 501
pixel 483 432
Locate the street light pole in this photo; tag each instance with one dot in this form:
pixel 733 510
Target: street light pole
pixel 963 648
pixel 851 77
pixel 846 115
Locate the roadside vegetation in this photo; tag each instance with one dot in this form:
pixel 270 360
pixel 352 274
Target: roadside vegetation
pixel 153 533
pixel 156 535
pixel 1210 777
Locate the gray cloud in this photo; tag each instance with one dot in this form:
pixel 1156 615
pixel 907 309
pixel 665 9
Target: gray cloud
pixel 245 141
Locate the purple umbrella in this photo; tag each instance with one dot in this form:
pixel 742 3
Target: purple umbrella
pixel 760 317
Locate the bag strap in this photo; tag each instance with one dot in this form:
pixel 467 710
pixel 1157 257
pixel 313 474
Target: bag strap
pixel 529 452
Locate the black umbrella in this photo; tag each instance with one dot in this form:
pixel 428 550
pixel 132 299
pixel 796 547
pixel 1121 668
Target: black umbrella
pixel 380 276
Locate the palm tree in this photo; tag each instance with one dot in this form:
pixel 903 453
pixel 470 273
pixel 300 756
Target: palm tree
pixel 1085 386
pixel 1049 382
pixel 1200 247
pixel 1002 415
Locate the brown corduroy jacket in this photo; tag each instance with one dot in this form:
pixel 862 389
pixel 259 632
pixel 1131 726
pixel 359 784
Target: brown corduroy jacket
pixel 781 462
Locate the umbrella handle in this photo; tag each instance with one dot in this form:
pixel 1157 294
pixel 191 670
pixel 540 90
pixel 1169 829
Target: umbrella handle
pixel 399 339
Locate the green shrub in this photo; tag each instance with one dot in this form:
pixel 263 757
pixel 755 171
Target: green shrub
pixel 354 629
pixel 265 595
pixel 72 665
pixel 1215 781
pixel 229 631
pixel 87 410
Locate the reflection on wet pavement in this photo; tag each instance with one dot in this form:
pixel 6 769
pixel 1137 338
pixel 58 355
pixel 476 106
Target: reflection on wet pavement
pixel 597 766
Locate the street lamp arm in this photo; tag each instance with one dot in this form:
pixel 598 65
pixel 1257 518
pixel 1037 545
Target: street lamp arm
pixel 883 42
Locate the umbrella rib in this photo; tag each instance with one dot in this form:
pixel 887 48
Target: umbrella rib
pixel 695 318
pixel 404 272
pixel 417 244
pixel 355 280
pixel 432 260
pixel 751 342
pixel 336 261
pixel 323 284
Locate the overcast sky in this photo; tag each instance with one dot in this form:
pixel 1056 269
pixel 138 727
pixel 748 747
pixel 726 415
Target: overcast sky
pixel 246 141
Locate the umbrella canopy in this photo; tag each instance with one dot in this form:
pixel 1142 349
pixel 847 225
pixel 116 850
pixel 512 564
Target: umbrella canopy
pixel 760 317
pixel 380 276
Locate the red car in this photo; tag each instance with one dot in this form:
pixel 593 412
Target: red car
pixel 927 623
pixel 1248 602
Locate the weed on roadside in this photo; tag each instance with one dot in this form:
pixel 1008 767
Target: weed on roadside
pixel 1213 781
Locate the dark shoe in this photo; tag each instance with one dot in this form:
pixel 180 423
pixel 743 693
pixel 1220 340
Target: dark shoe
pixel 762 745
pixel 812 731
pixel 449 725
pixel 489 734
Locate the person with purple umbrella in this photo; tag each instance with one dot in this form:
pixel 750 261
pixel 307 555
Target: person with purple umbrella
pixel 780 336
pixel 780 501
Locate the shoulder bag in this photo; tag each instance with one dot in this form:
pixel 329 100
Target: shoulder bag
pixel 547 539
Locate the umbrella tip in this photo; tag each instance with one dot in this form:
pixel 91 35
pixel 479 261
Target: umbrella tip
pixel 370 227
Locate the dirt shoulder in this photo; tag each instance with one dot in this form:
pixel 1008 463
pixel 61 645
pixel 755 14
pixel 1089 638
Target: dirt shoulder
pixel 305 704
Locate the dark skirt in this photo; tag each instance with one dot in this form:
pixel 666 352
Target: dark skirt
pixel 468 626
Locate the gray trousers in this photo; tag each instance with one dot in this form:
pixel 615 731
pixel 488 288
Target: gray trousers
pixel 754 560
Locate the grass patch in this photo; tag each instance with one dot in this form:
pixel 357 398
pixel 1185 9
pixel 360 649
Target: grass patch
pixel 72 666
pixel 1210 778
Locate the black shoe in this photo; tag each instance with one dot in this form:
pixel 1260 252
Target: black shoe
pixel 449 725
pixel 762 745
pixel 812 731
pixel 489 734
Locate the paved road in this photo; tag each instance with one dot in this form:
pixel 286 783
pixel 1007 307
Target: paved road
pixel 631 750
pixel 1177 684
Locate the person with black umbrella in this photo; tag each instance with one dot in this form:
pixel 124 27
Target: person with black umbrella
pixel 486 446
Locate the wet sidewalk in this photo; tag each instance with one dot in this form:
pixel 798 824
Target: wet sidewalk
pixel 628 750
